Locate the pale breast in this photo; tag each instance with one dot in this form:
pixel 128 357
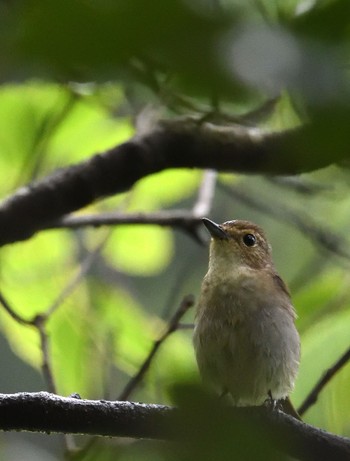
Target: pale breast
pixel 244 344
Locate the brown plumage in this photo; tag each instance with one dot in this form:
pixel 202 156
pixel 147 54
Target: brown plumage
pixel 245 339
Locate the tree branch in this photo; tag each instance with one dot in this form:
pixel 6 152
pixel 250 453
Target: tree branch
pixel 185 304
pixel 184 219
pixel 181 143
pixel 44 412
pixel 324 380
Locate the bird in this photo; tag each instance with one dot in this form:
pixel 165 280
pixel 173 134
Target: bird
pixel 245 339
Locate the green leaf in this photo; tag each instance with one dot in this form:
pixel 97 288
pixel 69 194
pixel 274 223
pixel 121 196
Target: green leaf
pixel 315 297
pixel 74 346
pixel 45 126
pixel 33 273
pixel 131 327
pixel 164 189
pixel 181 368
pixel 140 250
pixel 89 128
pixel 23 340
pixel 31 282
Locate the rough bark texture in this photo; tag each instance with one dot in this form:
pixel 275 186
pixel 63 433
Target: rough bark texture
pixel 182 143
pixel 44 412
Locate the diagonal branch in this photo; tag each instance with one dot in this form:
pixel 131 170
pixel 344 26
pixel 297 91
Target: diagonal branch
pixel 185 304
pixel 324 380
pixel 12 313
pixel 181 143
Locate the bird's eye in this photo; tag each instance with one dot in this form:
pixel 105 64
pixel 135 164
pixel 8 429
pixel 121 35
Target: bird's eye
pixel 249 240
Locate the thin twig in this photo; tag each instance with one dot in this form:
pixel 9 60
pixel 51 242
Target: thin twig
pixel 301 185
pixel 185 326
pixel 72 284
pixel 184 220
pixel 40 323
pixel 328 375
pixel 49 126
pixel 325 238
pixel 185 304
pixel 12 313
pixel 201 208
pixel 182 275
pixel 206 194
pixel 176 218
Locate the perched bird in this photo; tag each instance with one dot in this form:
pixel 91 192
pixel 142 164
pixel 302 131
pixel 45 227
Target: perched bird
pixel 245 339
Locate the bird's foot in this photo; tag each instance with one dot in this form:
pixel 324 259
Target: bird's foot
pixel 271 403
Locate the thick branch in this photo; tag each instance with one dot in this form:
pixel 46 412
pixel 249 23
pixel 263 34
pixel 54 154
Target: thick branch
pixel 182 143
pixel 43 412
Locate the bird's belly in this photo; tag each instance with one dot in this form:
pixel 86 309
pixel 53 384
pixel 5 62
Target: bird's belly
pixel 251 360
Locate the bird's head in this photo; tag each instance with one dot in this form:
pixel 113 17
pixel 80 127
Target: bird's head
pixel 238 243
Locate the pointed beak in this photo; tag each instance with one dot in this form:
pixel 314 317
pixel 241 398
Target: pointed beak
pixel 214 229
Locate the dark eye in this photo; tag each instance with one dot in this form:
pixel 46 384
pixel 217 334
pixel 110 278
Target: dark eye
pixel 249 240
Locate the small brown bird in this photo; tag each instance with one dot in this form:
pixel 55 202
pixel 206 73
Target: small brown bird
pixel 245 339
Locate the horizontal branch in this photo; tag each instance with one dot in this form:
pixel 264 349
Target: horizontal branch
pixel 173 218
pixel 181 143
pixel 44 412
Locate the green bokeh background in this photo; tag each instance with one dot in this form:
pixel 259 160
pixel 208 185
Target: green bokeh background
pixel 75 74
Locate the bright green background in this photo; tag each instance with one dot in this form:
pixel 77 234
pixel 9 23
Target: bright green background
pixel 175 58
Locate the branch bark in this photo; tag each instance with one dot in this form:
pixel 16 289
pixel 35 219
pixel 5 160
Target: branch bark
pixel 44 412
pixel 180 143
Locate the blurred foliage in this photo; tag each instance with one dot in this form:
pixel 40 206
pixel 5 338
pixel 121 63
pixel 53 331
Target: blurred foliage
pixel 75 74
pixel 144 243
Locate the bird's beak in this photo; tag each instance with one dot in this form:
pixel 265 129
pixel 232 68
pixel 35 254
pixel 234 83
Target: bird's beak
pixel 214 229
